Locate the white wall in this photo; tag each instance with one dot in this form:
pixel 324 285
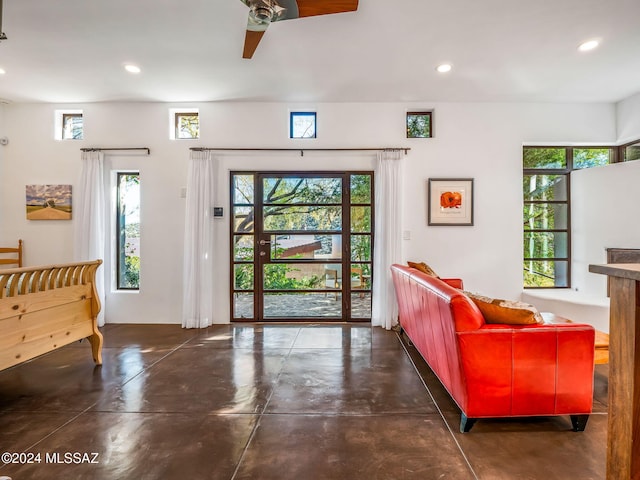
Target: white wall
pixel 483 141
pixel 604 204
pixel 604 213
pixel 2 170
pixel 628 119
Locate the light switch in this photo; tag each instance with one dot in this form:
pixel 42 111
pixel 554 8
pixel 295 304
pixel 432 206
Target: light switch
pixel 406 234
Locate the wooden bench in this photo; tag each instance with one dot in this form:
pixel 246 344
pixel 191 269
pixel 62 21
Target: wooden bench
pixel 45 308
pixel 602 339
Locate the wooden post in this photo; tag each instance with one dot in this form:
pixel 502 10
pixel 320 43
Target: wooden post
pixel 623 444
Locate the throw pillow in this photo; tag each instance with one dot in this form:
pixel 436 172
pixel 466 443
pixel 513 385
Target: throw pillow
pixel 424 268
pixel 506 311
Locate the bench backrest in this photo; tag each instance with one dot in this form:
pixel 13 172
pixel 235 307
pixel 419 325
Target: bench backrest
pixel 11 256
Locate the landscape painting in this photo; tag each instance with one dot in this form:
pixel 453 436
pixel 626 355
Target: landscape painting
pixel 48 202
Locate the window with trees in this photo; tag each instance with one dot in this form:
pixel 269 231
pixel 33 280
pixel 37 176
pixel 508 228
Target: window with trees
pixel 128 230
pixel 187 125
pixel 630 151
pixel 72 127
pixel 547 212
pixel 302 125
pixel 68 125
pixel 419 125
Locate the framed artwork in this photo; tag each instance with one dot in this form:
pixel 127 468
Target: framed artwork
pixel 450 201
pixel 48 202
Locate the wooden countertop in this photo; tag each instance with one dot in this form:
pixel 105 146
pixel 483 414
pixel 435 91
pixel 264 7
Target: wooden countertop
pixel 623 270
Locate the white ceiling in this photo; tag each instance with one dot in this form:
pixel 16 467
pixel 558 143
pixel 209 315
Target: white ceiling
pixel 73 51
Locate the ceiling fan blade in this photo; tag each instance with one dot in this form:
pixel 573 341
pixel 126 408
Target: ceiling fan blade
pixel 252 37
pixel 251 41
pixel 310 8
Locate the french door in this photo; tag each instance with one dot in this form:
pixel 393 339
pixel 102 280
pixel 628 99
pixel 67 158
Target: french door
pixel 301 246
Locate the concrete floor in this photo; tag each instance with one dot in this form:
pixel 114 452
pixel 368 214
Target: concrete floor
pixel 301 402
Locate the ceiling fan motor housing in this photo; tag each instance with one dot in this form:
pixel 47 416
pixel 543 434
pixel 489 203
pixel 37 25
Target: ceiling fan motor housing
pixel 262 13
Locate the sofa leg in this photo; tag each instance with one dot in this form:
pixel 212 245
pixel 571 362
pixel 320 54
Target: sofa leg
pixel 579 422
pixel 466 423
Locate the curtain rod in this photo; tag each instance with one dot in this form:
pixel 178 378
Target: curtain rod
pixel 301 150
pixel 98 149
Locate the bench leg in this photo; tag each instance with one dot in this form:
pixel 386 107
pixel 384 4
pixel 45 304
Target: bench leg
pixel 96 346
pixel 579 422
pixel 466 423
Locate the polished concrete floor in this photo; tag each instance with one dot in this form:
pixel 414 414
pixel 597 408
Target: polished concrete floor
pixel 268 402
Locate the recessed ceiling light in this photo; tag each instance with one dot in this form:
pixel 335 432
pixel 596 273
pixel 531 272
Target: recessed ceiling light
pixel 132 68
pixel 589 45
pixel 2 71
pixel 444 68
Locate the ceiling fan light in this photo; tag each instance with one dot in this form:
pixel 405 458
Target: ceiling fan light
pixel 444 68
pixel 261 14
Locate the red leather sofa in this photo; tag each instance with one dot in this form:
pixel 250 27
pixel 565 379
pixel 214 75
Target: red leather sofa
pixel 495 370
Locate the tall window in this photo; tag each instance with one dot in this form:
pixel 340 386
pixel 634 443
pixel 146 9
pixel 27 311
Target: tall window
pixel 128 230
pixel 547 212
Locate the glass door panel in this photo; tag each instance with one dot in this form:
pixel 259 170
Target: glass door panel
pixel 302 218
pixel 285 190
pixel 302 306
pixel 302 246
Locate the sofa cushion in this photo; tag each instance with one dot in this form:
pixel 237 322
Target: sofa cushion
pixel 424 268
pixel 506 311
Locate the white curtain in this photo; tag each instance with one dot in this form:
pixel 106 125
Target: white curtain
pixel 197 307
pixel 89 219
pixel 388 236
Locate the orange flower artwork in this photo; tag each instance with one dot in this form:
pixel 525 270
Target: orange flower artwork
pixel 451 200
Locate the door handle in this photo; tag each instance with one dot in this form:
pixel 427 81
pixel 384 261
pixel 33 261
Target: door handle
pixel 265 242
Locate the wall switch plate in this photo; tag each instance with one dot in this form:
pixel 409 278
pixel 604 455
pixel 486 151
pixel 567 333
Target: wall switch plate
pixel 406 234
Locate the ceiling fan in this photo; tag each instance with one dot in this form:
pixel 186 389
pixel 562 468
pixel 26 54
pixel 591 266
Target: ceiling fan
pixel 264 12
pixel 2 35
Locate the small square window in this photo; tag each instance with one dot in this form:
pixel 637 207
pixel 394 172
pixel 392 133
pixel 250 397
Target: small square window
pixel 302 125
pixel 419 125
pixel 187 125
pixel 72 126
